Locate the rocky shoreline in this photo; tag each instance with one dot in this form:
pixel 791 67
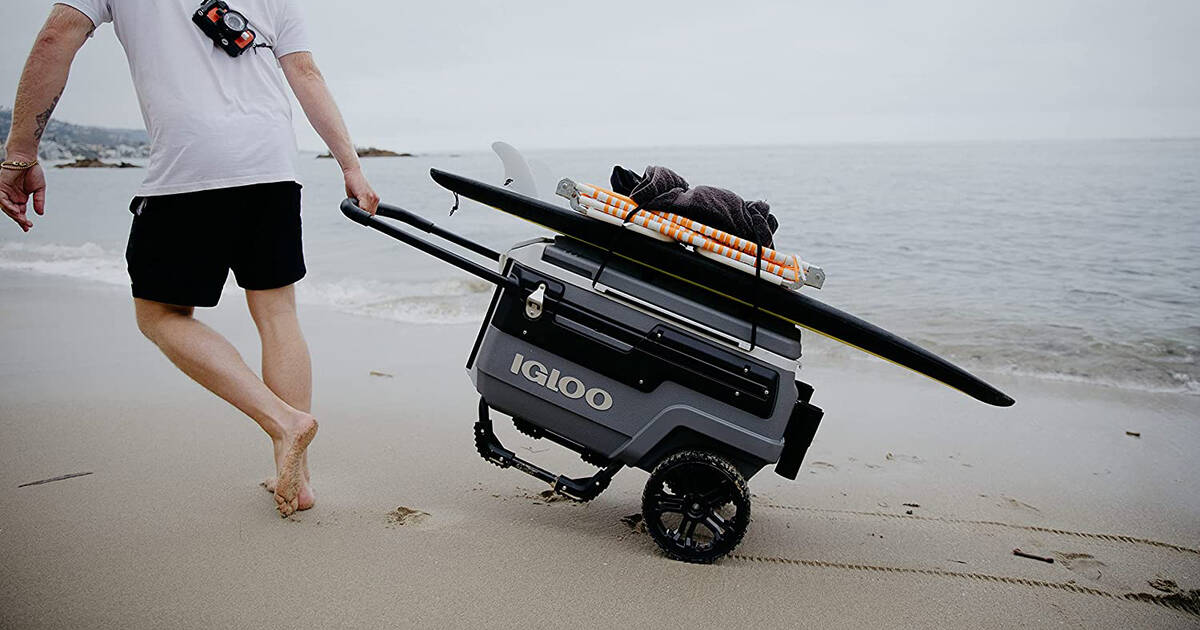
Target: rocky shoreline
pixel 371 152
pixel 95 163
pixel 66 141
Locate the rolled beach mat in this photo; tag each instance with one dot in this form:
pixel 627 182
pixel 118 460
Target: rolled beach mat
pixel 783 262
pixel 625 203
pixel 790 278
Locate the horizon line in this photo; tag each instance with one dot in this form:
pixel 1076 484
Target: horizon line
pixel 719 145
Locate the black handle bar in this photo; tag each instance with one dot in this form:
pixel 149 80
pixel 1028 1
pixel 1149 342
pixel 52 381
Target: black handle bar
pixel 358 215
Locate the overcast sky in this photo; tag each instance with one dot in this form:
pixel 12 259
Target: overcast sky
pixel 457 75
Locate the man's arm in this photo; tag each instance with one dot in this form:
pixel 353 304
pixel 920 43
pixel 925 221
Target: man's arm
pixel 309 86
pixel 41 85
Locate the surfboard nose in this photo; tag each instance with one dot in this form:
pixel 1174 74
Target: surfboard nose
pixel 1002 400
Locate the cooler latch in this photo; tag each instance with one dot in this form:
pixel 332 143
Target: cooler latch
pixel 535 303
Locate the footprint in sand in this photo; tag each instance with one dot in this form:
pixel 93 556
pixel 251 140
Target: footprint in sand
pixel 900 457
pixel 1084 564
pixel 1010 502
pixel 814 466
pixel 406 516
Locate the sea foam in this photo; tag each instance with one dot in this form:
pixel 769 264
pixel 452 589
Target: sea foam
pixel 441 301
pixel 88 261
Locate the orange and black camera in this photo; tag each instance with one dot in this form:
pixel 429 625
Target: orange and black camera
pixel 228 29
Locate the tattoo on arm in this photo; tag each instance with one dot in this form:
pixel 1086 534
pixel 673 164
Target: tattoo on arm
pixel 43 119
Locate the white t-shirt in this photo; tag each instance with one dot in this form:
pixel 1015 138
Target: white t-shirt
pixel 214 121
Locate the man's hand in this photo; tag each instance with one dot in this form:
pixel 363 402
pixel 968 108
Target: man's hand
pixel 41 85
pixel 358 188
pixel 16 187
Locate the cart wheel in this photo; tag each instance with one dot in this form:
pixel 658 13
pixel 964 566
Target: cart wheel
pixel 696 506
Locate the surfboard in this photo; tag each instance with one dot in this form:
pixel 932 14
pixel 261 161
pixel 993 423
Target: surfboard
pixel 672 259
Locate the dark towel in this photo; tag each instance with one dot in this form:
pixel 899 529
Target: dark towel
pixel 664 190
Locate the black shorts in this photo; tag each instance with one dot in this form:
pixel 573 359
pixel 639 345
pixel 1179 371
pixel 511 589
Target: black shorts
pixel 181 247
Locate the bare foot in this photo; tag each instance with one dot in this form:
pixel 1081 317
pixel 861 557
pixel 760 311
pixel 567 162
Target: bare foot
pixel 289 464
pixel 307 498
pixel 270 482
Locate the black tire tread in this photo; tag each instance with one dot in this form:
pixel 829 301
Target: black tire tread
pixel 720 463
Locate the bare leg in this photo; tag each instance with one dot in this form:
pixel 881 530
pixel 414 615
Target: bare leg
pixel 286 367
pixel 209 359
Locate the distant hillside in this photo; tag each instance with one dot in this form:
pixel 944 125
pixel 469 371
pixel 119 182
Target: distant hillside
pixel 65 141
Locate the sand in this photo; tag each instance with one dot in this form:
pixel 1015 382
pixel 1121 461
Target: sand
pixel 905 513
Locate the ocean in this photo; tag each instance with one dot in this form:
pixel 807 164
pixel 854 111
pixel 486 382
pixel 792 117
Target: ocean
pixel 1066 260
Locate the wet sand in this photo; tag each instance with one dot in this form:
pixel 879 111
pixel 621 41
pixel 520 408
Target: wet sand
pixel 905 513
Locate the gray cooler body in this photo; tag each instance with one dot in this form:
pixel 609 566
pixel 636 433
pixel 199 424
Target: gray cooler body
pixel 633 366
pixel 628 365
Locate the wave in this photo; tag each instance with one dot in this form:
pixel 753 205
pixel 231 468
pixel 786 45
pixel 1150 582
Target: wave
pixel 446 301
pixel 1160 367
pixel 1047 352
pixel 88 261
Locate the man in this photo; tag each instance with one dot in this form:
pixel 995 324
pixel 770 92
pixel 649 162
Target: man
pixel 220 193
